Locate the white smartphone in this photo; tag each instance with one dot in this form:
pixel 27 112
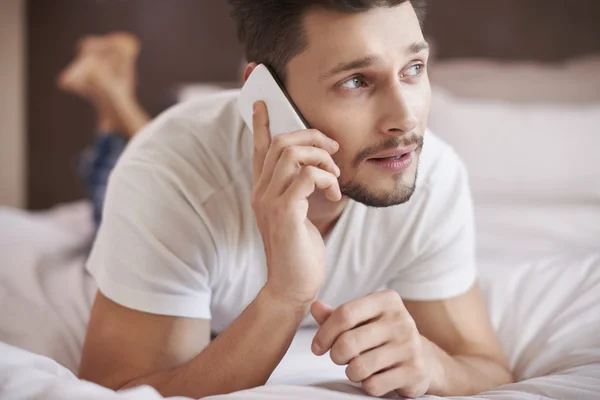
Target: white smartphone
pixel 263 84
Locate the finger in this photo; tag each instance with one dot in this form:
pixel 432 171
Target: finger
pixel 384 382
pixel 320 311
pixel 357 341
pixel 348 316
pixel 309 179
pixel 375 361
pixel 309 137
pixel 405 380
pixel 292 160
pixel 262 138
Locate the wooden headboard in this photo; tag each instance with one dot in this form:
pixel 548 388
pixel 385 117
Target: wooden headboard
pixel 542 30
pixel 194 41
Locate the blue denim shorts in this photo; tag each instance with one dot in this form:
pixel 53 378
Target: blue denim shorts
pixel 95 165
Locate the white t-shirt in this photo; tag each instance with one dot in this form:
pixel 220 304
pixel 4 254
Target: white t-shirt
pixel 179 236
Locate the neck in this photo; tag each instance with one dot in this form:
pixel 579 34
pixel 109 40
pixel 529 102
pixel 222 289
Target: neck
pixel 324 213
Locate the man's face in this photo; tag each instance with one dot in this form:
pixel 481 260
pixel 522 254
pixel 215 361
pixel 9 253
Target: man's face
pixel 362 81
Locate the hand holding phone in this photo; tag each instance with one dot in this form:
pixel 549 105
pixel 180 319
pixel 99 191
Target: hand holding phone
pixel 287 169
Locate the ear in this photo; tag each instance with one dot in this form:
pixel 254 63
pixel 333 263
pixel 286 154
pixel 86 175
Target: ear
pixel 248 70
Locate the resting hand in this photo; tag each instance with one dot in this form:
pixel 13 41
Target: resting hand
pixel 378 340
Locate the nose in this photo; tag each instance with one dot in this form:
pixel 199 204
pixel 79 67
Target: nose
pixel 397 108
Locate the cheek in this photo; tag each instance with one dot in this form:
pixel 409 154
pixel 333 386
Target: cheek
pixel 342 124
pixel 351 132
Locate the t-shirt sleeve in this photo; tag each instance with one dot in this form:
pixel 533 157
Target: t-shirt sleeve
pixel 154 251
pixel 443 240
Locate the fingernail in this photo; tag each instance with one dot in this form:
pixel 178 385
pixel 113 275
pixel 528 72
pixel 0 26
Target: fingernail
pixel 254 107
pixel 335 144
pixel 337 170
pixel 315 348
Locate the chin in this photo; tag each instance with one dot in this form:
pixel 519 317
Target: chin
pixel 371 195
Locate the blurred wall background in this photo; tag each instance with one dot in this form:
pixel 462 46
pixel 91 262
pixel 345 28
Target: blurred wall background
pixel 182 41
pixel 42 130
pixel 12 103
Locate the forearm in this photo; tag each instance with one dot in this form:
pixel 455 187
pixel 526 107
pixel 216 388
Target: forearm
pixel 242 357
pixel 466 375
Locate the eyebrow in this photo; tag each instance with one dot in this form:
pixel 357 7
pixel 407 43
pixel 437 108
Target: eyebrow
pixel 370 60
pixel 416 48
pixel 356 64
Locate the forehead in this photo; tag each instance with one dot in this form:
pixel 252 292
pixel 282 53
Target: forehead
pixel 336 36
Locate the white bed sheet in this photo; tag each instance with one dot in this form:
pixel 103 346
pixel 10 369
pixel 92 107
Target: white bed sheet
pixel 546 313
pixel 45 293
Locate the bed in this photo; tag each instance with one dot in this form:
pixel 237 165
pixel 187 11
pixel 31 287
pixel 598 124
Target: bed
pixel 546 311
pixel 538 225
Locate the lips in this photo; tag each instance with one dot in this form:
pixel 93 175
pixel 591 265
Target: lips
pixel 394 154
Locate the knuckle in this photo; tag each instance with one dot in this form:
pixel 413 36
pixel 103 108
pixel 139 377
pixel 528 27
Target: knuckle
pixel 318 137
pixel 347 346
pixel 337 356
pixel 278 141
pixel 419 370
pixel 287 204
pixel 310 172
pixel 315 133
pixel 344 316
pixel 407 324
pixel 290 153
pixel 392 296
pixel 414 345
pixel 323 154
pixel 357 370
pixel 278 209
pixel 411 392
pixel 372 387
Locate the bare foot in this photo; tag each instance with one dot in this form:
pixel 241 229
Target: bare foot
pixel 104 73
pixel 76 78
pixel 85 77
pixel 119 50
pixel 121 54
pixel 89 44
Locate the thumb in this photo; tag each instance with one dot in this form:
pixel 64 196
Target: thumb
pixel 320 311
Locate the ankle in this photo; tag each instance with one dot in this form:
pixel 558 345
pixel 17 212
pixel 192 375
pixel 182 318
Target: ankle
pixel 108 125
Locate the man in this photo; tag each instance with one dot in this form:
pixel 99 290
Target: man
pixel 208 227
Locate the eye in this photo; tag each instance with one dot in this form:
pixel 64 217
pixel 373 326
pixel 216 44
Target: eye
pixel 414 70
pixel 353 83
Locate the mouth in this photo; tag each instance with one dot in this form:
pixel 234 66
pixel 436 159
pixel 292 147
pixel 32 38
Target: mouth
pixel 395 160
pixel 394 154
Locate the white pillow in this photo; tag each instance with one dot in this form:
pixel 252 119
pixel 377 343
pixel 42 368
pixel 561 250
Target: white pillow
pixel 523 152
pixel 574 81
pixel 534 169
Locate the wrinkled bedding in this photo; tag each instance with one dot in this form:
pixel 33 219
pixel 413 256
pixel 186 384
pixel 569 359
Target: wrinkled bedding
pixel 546 312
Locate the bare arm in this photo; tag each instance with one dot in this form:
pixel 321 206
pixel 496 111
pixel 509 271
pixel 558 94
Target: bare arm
pixel 126 348
pixel 459 334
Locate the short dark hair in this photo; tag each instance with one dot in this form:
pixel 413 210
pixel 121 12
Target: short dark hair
pixel 271 30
